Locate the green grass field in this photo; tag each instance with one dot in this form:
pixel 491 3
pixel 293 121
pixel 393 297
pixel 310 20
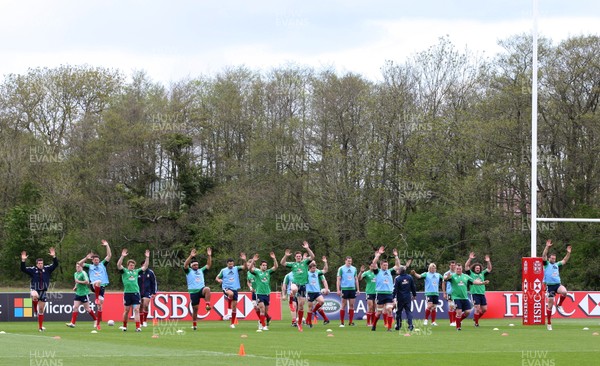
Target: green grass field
pixel 216 344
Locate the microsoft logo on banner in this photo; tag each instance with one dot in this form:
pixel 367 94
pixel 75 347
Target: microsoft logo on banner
pixel 23 308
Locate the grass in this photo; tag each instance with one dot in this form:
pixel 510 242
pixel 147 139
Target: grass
pixel 216 344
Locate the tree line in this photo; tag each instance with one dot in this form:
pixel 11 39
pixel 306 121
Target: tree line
pixel 433 159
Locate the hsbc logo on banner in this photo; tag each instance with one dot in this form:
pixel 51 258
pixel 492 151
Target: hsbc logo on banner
pixel 590 304
pixel 525 267
pixel 244 306
pixel 537 267
pixel 537 286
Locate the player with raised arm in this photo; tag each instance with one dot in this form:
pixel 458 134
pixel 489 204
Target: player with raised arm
pixel 40 281
pixel 196 283
pixel 347 288
pixel 300 277
pixel 148 288
pixel 432 287
pixel 447 291
pixel 131 289
pixel 82 290
pixel 369 278
pixel 251 283
pixel 384 287
pixel 460 281
pixel 229 278
pixel 478 291
pixel 314 292
pixel 98 278
pixel 552 279
pixel 263 287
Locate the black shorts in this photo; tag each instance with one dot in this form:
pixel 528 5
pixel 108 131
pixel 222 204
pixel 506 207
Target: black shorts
pixel 235 293
pixel 383 299
pixel 371 297
pixel 265 299
pixel 292 298
pixel 301 291
pixel 348 294
pixel 479 299
pixel 551 289
pixel 82 299
pixel 102 288
pixel 146 295
pixel 463 305
pixel 254 298
pixel 131 299
pixel 41 295
pixel 196 296
pixel 312 296
pixel 433 298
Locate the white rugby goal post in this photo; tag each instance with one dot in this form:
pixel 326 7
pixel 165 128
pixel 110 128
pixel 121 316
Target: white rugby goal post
pixel 534 143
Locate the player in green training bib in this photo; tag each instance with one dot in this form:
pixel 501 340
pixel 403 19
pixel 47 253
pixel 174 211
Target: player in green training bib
pixel 262 285
pixel 478 291
pixel 82 290
pixel 131 289
pixel 300 279
pixel 459 282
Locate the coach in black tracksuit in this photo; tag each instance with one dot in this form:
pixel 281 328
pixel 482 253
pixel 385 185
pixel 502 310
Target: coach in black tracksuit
pixel 404 287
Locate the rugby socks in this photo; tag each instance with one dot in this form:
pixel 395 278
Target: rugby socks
pixel 137 325
pixel 257 312
pixel 233 315
pixel 390 321
pixel 342 314
pixel 460 319
pixel 549 316
pixel 35 306
pixel 427 312
pixel 99 316
pixel 350 316
pixel 325 318
pixel 370 317
pixel 194 324
pixel 91 312
pixel 309 318
pixel 40 320
pixel 375 319
pixel 433 315
pixel 452 315
pixel 74 317
pixel 262 321
pixel 97 291
pixel 124 323
pixel 560 300
pixel 476 317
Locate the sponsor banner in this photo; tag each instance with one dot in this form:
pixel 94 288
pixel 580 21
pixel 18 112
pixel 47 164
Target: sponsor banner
pixel 533 295
pixel 501 305
pixel 175 305
pixel 164 305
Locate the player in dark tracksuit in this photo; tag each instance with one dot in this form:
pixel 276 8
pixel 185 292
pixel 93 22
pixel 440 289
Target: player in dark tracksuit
pixel 405 292
pixel 148 288
pixel 40 282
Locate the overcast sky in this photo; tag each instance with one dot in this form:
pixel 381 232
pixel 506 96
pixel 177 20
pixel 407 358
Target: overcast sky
pixel 172 40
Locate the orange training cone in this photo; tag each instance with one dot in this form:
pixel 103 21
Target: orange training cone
pixel 242 352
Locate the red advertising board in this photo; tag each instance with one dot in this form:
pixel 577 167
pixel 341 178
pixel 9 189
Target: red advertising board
pixel 176 305
pixel 533 297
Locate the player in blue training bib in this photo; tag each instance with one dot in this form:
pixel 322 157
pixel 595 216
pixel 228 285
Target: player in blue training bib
pixel 552 280
pixel 432 291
